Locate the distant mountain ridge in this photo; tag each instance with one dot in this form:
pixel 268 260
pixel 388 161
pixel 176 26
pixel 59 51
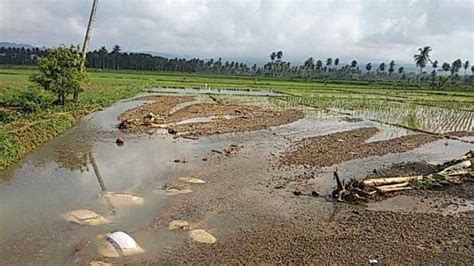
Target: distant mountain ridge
pixel 16 45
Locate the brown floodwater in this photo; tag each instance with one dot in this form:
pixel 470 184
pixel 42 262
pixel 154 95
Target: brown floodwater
pixel 59 177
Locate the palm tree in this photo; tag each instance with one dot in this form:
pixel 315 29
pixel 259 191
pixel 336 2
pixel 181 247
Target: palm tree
pixel 353 64
pixel 116 54
pixel 381 67
pixel 328 63
pixel 336 62
pixel 455 66
pixel 401 70
pixel 446 67
pixel 85 45
pixel 368 67
pixel 319 64
pixel 472 70
pixel 272 56
pixel 422 59
pixel 279 55
pixel 466 65
pixel 391 67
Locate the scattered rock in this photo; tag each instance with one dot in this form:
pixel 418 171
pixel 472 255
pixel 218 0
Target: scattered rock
pixel 172 131
pixel 181 161
pixel 84 217
pixel 179 224
pixel 296 193
pixel 122 199
pixel 193 180
pixel 315 193
pixel 119 142
pixel 176 189
pixel 201 236
pixel 204 159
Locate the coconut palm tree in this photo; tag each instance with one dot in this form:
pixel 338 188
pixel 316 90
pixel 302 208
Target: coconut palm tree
pixel 85 45
pixel 446 67
pixel 466 65
pixel 455 66
pixel 472 70
pixel 391 67
pixel 422 59
pixel 279 55
pixel 401 70
pixel 328 63
pixel 336 62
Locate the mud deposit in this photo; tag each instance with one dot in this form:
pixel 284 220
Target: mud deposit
pixel 221 195
pixel 344 146
pixel 223 117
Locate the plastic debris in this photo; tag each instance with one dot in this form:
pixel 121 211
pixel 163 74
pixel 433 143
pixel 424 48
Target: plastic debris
pixel 118 244
pixel 178 224
pixel 193 180
pixel 122 199
pixel 201 236
pixel 84 217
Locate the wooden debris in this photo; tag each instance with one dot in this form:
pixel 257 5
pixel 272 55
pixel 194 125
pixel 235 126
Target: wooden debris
pixel 356 191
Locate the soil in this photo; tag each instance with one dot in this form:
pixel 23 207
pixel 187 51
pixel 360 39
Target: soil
pixel 338 147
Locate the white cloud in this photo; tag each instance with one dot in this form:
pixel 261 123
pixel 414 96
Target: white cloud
pixel 364 30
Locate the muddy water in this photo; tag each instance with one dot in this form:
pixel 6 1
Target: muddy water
pixel 58 177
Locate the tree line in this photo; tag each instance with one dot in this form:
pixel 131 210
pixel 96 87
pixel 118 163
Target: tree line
pixel 330 68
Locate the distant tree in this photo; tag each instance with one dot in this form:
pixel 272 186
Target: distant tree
pixel 456 66
pixel 336 62
pixel 422 59
pixel 465 66
pixel 319 64
pixel 381 67
pixel 401 70
pixel 115 56
pixel 368 67
pixel 353 64
pixel 446 67
pixel 60 72
pixel 272 56
pixel 279 55
pixel 328 63
pixel 391 67
pixel 472 70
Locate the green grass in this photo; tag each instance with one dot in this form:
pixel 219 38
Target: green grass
pixel 28 131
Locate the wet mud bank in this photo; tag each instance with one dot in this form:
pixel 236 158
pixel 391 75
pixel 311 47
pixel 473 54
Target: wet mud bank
pixel 223 196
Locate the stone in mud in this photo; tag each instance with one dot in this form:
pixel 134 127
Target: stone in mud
pixel 119 142
pixel 178 224
pixel 175 191
pixel 122 199
pixel 201 236
pixel 84 217
pixel 117 244
pixel 192 180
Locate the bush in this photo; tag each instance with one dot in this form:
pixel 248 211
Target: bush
pixel 27 100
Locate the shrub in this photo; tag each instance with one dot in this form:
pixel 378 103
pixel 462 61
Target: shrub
pixel 27 100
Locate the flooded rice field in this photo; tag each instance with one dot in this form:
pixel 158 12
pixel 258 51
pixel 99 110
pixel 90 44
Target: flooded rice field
pixel 201 176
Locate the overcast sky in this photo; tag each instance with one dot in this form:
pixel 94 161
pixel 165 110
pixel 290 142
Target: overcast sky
pixel 364 30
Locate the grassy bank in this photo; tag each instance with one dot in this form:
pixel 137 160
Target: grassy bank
pixel 21 133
